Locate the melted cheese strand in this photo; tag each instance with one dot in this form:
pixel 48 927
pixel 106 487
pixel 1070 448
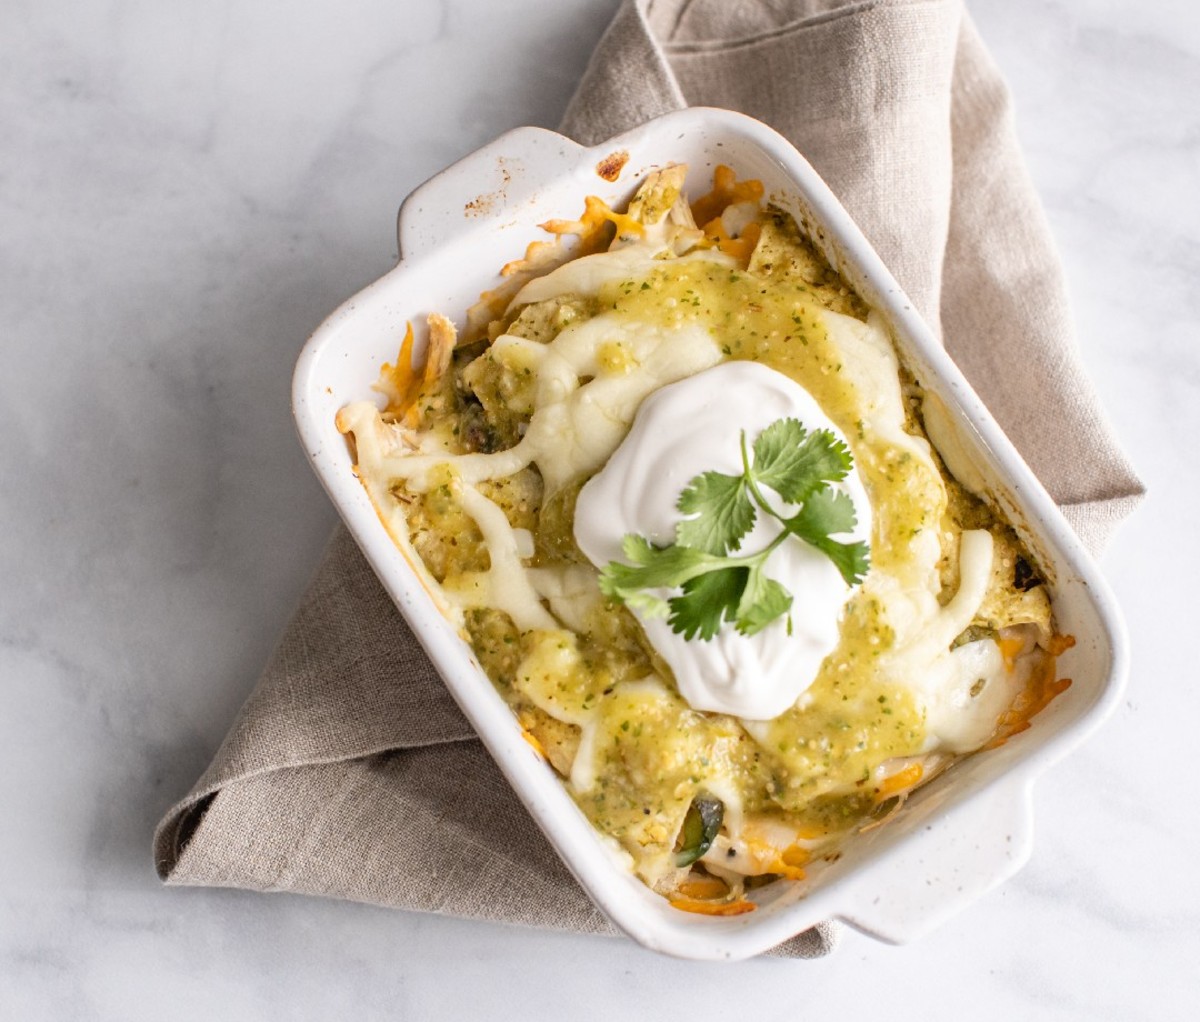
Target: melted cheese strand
pixel 506 583
pixel 416 469
pixel 370 432
pixel 583 768
pixel 940 629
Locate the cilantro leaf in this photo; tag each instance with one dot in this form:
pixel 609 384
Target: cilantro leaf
pixel 851 559
pixel 646 604
pixel 706 601
pixel 653 567
pixel 796 463
pixel 824 513
pixel 722 513
pixel 763 601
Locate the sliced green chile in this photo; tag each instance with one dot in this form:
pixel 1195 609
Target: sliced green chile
pixel 699 830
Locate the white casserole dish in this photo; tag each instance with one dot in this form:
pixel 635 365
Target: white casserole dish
pixel 959 835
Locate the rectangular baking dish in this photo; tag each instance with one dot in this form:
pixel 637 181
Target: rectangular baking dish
pixel 958 836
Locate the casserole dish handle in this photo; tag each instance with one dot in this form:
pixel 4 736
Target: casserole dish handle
pixel 969 850
pixel 516 168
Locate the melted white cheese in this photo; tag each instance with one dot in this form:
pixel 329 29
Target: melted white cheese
pixel 579 424
pixel 506 583
pixel 583 411
pixel 966 691
pixel 587 275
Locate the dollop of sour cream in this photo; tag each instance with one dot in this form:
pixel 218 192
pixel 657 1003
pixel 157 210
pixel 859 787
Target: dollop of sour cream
pixel 680 431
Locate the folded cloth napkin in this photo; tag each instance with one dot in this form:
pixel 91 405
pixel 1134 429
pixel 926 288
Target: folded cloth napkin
pixel 350 772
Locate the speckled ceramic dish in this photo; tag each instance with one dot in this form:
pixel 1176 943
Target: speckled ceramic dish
pixel 959 835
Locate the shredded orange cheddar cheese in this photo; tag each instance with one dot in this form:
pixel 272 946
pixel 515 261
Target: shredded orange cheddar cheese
pixel 726 191
pixel 713 908
pixel 899 781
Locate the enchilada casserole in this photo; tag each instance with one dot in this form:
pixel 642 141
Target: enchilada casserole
pixel 673 485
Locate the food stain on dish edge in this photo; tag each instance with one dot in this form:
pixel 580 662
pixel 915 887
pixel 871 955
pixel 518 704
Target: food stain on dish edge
pixel 611 166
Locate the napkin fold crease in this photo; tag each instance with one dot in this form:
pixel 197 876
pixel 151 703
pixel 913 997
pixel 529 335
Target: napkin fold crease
pixel 350 772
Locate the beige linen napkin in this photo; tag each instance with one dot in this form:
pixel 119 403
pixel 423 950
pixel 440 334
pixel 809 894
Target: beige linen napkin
pixel 350 772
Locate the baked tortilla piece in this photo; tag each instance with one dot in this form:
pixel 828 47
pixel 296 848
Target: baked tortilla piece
pixel 477 460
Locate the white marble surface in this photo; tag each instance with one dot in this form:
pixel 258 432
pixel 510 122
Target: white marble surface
pixel 185 190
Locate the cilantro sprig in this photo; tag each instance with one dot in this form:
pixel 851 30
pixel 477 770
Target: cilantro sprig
pixel 714 580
